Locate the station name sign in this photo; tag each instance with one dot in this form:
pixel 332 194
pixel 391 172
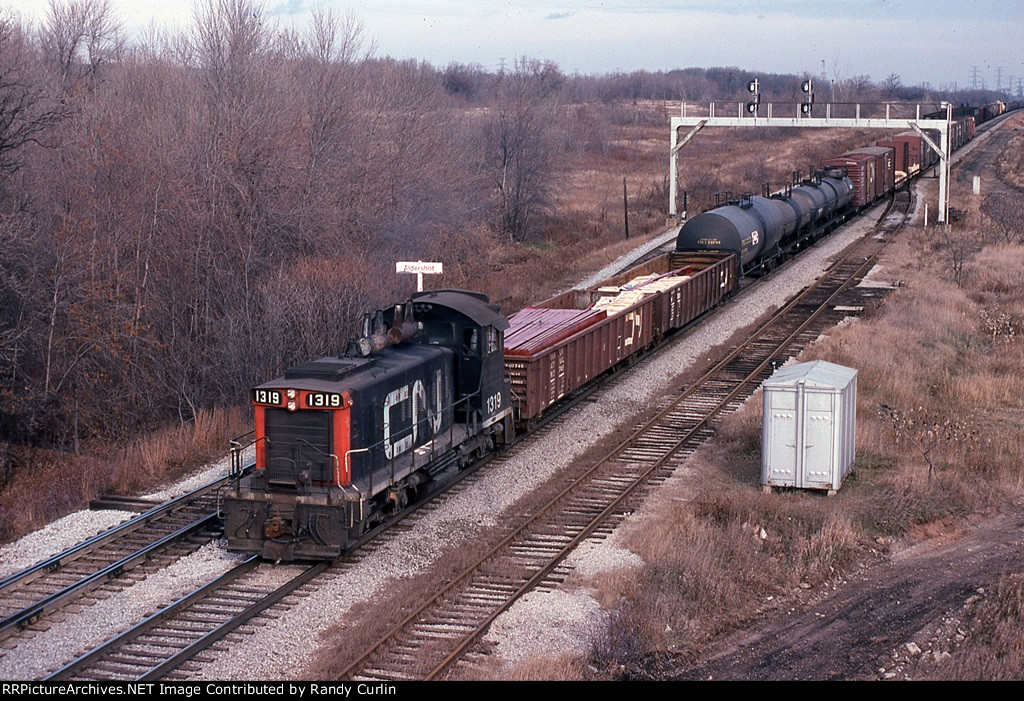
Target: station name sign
pixel 420 267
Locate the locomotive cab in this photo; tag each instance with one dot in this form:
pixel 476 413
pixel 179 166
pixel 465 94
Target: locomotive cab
pixel 344 442
pixel 474 329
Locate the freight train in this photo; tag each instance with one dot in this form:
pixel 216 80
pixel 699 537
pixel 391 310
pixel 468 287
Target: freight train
pixel 342 443
pixel 763 231
pixel 435 383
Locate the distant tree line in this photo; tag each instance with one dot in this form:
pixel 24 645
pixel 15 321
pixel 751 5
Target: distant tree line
pixel 471 82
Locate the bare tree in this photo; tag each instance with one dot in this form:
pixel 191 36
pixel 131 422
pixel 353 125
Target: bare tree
pixel 79 36
pixel 891 86
pixel 929 432
pixel 326 73
pixel 959 247
pixel 518 135
pixel 1004 218
pixel 24 110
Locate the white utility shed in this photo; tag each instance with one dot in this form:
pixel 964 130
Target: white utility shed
pixel 809 426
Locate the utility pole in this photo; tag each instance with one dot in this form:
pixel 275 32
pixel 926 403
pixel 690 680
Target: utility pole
pixel 625 207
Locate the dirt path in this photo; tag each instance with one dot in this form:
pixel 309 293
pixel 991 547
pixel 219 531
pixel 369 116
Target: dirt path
pixel 861 629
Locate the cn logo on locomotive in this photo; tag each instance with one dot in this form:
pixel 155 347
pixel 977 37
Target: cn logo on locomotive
pixel 418 394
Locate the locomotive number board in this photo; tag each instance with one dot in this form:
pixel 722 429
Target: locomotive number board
pixel 312 400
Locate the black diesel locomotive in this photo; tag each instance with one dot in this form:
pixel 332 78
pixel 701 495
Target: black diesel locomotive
pixel 343 442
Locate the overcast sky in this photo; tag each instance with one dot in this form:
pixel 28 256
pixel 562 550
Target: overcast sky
pixel 935 41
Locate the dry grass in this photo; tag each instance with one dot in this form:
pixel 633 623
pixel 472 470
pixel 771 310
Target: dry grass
pixel 47 484
pixel 558 668
pixel 724 551
pixel 172 452
pixel 1011 168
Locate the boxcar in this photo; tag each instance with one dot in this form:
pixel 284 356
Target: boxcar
pixel 900 157
pixel 860 167
pixel 634 311
pixel 885 171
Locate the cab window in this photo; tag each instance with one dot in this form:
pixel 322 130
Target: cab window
pixel 439 333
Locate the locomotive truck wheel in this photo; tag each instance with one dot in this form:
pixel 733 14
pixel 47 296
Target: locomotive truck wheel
pixel 486 447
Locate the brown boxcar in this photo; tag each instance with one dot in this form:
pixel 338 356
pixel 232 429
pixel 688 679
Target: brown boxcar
pixel 885 171
pixel 860 167
pixel 680 287
pixel 915 150
pixel 900 149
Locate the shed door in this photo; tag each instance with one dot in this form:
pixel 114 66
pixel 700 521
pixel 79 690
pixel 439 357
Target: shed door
pixel 782 439
pixel 818 448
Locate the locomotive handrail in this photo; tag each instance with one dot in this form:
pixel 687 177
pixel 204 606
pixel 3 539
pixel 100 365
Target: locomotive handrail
pixel 237 468
pixel 348 464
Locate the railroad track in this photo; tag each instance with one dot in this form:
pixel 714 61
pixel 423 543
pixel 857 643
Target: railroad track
pixel 110 561
pixel 155 647
pixel 159 646
pixel 429 640
pixel 983 151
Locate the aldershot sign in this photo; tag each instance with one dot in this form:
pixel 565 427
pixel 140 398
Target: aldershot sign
pixel 420 268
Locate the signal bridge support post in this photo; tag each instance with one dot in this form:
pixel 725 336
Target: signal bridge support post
pixel 803 122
